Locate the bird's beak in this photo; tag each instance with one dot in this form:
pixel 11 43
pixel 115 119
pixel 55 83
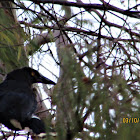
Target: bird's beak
pixel 44 80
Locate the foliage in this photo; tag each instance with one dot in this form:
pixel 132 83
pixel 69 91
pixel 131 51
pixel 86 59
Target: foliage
pixel 11 50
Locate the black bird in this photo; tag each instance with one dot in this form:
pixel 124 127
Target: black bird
pixel 18 100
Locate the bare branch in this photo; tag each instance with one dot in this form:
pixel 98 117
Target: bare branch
pixel 77 30
pixel 135 14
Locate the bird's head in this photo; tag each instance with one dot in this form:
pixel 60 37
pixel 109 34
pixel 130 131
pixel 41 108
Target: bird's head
pixel 29 75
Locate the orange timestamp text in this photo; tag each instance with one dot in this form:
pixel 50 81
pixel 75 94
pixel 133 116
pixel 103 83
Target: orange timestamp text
pixel 130 120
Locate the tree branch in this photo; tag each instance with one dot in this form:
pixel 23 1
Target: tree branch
pixel 77 30
pixel 135 14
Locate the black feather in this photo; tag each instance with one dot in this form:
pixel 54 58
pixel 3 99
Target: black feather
pixel 18 100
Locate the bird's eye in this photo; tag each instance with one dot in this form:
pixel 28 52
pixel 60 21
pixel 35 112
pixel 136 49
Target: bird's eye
pixel 33 73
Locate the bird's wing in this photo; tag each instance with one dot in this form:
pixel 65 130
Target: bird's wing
pixel 17 103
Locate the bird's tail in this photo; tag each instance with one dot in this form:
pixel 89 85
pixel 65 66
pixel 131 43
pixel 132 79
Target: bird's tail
pixel 35 124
